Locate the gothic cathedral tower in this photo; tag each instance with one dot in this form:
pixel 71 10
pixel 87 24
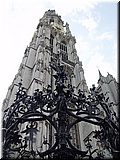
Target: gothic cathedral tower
pixel 27 131
pixel 51 39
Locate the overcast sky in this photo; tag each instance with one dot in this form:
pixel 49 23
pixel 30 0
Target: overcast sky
pixel 93 23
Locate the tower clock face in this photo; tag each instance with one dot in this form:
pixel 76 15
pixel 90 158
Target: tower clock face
pixel 58 26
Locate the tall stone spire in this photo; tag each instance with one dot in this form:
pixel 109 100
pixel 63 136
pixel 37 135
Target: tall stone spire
pixel 101 77
pixel 38 89
pixel 100 74
pixel 51 39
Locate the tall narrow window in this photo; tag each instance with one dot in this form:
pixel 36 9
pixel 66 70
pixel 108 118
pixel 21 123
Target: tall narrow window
pixel 51 42
pixel 63 49
pixel 63 46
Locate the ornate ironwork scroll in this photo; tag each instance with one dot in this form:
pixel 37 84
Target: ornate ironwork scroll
pixel 23 122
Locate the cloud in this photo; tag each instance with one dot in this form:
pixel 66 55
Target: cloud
pixel 71 6
pixel 86 48
pixel 89 20
pixel 89 23
pixel 104 36
pixel 82 45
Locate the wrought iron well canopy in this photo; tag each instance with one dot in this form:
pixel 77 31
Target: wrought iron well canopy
pixel 62 109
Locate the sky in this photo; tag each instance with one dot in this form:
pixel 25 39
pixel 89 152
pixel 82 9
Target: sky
pixel 92 22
